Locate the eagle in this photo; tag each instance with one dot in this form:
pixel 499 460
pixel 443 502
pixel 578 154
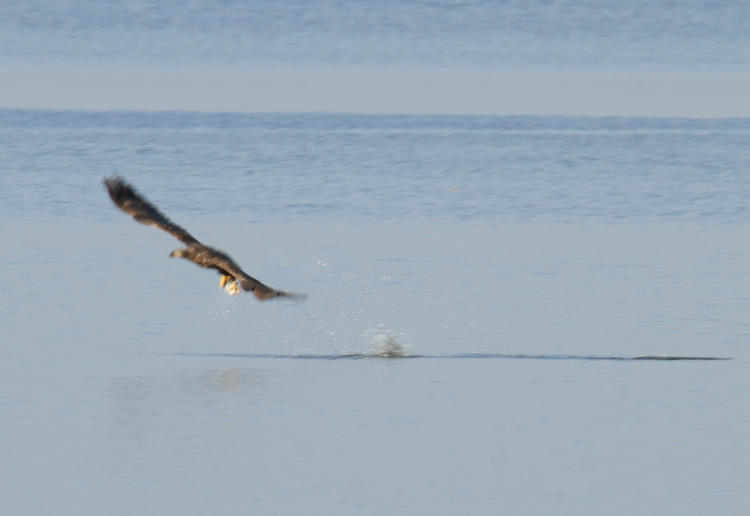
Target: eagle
pixel 133 203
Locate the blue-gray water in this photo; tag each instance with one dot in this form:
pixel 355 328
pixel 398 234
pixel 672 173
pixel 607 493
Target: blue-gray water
pixel 566 57
pixel 495 302
pixel 517 259
pixel 564 34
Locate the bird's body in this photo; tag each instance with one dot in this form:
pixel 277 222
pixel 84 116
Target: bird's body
pixel 131 202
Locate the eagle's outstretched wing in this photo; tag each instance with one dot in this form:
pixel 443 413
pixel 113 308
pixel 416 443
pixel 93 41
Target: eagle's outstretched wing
pixel 131 202
pixel 262 291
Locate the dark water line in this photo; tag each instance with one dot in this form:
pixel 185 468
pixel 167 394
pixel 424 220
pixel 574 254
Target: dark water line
pixel 452 356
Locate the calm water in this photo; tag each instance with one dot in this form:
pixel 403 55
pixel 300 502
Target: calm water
pixel 505 253
pixel 483 289
pixel 568 34
pixel 567 57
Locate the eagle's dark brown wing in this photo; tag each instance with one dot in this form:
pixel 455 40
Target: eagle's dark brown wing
pixel 259 289
pixel 264 292
pixel 131 202
pixel 213 258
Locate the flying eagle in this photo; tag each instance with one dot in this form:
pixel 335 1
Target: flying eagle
pixel 131 202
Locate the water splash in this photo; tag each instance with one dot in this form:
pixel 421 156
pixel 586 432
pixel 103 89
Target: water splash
pixel 386 346
pixel 226 305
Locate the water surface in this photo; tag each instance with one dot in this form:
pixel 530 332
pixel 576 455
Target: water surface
pixel 543 274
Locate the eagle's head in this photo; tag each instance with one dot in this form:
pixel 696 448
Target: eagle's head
pixel 177 253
